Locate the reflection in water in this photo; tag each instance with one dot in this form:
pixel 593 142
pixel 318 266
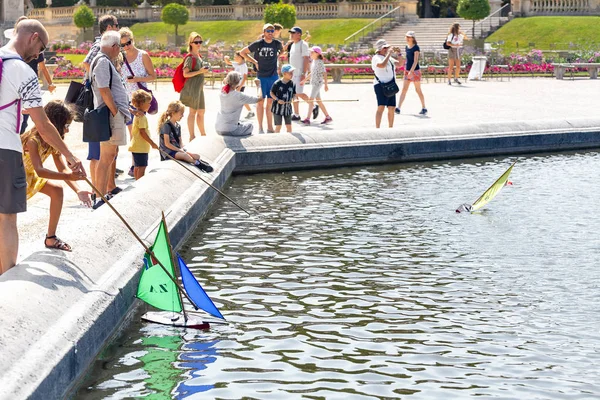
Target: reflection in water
pixel 364 283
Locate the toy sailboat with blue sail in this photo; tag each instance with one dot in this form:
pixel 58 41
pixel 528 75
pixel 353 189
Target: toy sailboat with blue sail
pixel 160 287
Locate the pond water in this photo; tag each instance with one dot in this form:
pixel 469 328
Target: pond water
pixel 364 283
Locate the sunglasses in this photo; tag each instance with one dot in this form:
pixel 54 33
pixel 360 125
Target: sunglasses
pixel 270 31
pixel 43 45
pixel 198 42
pixel 126 43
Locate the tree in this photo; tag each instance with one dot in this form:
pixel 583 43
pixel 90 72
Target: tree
pixel 285 14
pixel 83 17
pixel 473 10
pixel 175 14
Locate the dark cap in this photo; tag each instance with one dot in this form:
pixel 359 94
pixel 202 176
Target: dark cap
pixel 295 29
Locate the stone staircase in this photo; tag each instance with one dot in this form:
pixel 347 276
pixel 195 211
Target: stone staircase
pixel 430 32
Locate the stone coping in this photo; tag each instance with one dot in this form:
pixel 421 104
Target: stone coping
pixel 58 310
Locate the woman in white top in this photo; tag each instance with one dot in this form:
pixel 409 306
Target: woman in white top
pixel 140 69
pixel 455 41
pixel 384 67
pixel 232 101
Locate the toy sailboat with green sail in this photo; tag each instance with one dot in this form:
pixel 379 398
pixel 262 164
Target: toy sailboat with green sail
pixel 489 194
pixel 164 283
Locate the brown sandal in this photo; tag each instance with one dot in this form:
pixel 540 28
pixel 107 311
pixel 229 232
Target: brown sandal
pixel 58 244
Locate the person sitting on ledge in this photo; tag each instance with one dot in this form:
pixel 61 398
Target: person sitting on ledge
pixel 35 152
pixel 232 101
pixel 169 132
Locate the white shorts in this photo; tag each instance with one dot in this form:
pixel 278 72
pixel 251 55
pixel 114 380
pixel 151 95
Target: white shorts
pixel 118 130
pixel 299 87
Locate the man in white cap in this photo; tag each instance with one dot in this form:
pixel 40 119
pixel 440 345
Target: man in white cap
pixel 266 51
pixel 300 60
pixel 384 67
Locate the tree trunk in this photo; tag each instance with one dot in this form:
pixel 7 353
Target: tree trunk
pixel 473 35
pixel 176 37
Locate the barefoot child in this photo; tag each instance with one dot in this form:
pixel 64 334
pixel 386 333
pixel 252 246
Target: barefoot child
pixel 239 65
pixel 318 79
pixel 282 93
pixel 140 142
pixel 170 137
pixel 35 152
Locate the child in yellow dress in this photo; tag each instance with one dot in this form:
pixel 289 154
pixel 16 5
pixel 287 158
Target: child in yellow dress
pixel 140 134
pixel 35 152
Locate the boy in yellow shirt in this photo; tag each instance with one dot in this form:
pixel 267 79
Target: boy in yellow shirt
pixel 140 142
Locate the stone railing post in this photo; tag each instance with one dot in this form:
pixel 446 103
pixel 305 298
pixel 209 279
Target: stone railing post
pixel 343 9
pixel 238 12
pixel 495 5
pixel 48 14
pixel 409 9
pixel 525 8
pixel 144 11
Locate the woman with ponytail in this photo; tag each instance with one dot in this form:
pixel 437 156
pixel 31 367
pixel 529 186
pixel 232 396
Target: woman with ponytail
pixel 169 132
pixel 232 102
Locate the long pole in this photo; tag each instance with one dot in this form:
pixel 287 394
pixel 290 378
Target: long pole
pixel 175 265
pixel 140 240
pixel 324 101
pixel 205 181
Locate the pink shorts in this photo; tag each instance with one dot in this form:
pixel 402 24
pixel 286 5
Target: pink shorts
pixel 416 76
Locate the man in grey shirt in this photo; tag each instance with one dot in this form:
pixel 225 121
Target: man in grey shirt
pixel 109 90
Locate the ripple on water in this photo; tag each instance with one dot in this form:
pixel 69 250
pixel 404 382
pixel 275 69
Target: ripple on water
pixel 364 283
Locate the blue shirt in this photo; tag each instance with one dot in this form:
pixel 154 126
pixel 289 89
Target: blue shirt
pixel 410 57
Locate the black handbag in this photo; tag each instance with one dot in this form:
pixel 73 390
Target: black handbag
pixel 85 101
pixel 96 121
pixel 390 88
pixel 73 92
pixel 96 125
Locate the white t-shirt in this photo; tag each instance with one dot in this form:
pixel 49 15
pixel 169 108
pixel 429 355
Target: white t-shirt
pixel 386 74
pixel 241 68
pixel 297 53
pixel 18 82
pixel 456 40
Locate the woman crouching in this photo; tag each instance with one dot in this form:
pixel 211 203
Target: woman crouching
pixel 232 101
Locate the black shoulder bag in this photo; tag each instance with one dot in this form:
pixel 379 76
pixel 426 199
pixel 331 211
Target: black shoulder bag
pixel 446 46
pixel 389 88
pixel 96 121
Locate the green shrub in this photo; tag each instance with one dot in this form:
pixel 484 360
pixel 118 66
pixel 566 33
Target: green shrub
pixel 473 10
pixel 84 17
pixel 175 14
pixel 285 14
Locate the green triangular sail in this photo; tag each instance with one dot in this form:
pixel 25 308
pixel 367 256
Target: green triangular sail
pixel 156 287
pixel 493 190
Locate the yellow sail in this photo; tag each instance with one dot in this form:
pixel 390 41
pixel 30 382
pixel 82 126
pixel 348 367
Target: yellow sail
pixel 493 190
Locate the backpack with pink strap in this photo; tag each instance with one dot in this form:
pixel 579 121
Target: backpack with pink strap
pixel 16 101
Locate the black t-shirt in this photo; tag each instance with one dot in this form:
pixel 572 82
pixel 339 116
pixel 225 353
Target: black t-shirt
pixel 174 132
pixel 34 63
pixel 266 54
pixel 283 91
pixel 410 57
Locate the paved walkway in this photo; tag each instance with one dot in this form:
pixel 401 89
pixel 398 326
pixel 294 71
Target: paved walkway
pixel 521 99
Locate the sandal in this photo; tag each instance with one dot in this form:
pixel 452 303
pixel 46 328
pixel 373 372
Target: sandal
pixel 58 244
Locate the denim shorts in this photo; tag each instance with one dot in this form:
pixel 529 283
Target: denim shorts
pixel 266 84
pixel 383 100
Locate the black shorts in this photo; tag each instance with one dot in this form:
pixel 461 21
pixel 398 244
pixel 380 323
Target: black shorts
pixel 140 159
pixel 278 119
pixel 383 100
pixel 13 183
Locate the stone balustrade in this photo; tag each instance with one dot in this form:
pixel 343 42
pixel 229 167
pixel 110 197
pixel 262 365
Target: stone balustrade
pixel 59 15
pixel 529 8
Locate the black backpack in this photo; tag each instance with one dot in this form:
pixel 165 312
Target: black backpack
pixel 446 43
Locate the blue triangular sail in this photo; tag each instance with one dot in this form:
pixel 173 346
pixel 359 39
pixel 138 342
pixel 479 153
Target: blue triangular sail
pixel 195 291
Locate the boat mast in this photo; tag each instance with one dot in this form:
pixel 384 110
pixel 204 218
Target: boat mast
pixel 176 265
